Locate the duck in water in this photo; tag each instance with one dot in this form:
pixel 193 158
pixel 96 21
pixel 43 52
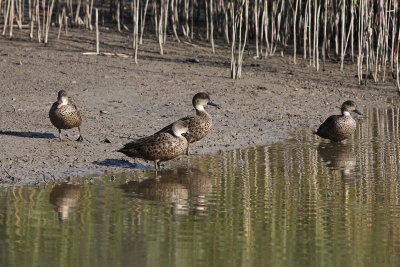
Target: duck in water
pixel 200 124
pixel 64 114
pixel 161 146
pixel 339 127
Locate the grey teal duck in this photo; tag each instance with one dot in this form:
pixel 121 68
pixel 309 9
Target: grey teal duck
pixel 161 146
pixel 339 127
pixel 200 124
pixel 64 114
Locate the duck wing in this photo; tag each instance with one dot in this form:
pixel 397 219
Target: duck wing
pixel 146 147
pixel 136 144
pixel 326 126
pixel 168 128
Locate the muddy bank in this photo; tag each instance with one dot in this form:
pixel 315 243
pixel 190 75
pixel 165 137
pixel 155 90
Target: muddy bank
pixel 120 101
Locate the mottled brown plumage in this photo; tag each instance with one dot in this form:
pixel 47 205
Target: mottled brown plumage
pixel 64 114
pixel 159 147
pixel 339 127
pixel 200 124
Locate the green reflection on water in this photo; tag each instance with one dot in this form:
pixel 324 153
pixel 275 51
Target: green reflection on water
pixel 300 202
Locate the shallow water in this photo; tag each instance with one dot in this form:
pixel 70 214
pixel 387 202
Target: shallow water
pixel 302 202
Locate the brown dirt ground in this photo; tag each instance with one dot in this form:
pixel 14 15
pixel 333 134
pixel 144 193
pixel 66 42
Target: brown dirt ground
pixel 120 100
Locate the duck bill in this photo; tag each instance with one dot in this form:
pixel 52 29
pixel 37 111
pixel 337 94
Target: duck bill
pixel 59 103
pixel 358 112
pixel 190 133
pixel 213 104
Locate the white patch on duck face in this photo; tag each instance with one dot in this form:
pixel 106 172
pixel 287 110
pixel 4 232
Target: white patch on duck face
pixel 64 100
pixel 346 113
pixel 199 107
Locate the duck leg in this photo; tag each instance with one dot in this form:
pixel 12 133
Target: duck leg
pixel 59 134
pixel 156 165
pixel 187 150
pixel 80 138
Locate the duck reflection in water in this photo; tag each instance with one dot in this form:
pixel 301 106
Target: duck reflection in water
pixel 65 196
pixel 178 187
pixel 339 156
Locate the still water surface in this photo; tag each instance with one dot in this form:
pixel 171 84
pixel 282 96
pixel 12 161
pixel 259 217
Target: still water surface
pixel 303 202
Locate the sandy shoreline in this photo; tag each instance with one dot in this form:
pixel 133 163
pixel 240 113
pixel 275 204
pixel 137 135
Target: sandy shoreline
pixel 120 101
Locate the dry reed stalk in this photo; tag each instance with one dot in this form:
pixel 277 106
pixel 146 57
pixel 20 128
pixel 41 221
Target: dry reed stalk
pixel 60 22
pixel 343 34
pixel 32 22
pixel 29 9
pixel 155 16
pixel 6 17
pixel 238 47
pixel 309 30
pixel 294 31
pixel 66 23
pixel 317 37
pixel 175 18
pixel 90 14
pixel 43 17
pixel 315 33
pixel 78 9
pixel 118 15
pixel 185 28
pixel 241 52
pixel 234 27
pixel 256 20
pixel 160 27
pixel 11 18
pixel 136 27
pixel 38 19
pixel 97 32
pixel 207 20
pixel 305 28
pixel 212 26
pixel 142 21
pixel 226 23
pixel 192 18
pixel 19 17
pixel 165 24
pixel 48 22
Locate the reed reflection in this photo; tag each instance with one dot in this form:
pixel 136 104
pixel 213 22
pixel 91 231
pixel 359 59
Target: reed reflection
pixel 65 196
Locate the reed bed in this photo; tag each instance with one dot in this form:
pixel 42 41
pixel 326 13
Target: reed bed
pixel 364 32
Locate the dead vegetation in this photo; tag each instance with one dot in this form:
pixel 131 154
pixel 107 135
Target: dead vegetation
pixel 365 32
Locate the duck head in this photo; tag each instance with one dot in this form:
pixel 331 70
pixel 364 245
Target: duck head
pixel 181 127
pixel 202 99
pixel 348 107
pixel 62 98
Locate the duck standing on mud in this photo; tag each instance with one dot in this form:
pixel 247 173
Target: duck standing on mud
pixel 161 146
pixel 339 127
pixel 64 114
pixel 200 124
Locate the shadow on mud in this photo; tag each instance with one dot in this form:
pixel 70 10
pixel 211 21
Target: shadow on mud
pixel 122 164
pixel 29 134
